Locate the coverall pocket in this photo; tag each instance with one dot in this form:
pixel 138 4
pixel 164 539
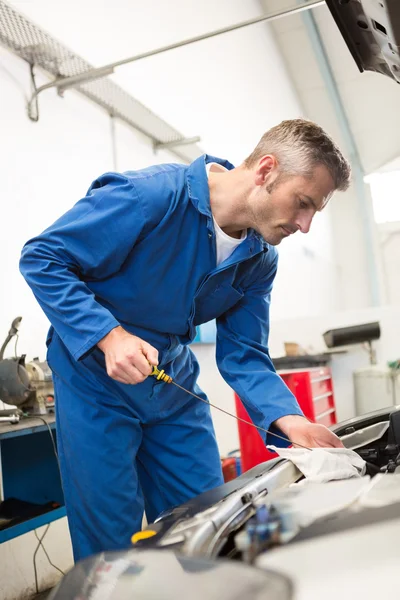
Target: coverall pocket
pixel 48 352
pixel 215 304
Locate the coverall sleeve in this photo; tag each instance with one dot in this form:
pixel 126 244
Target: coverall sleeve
pixel 244 362
pixel 91 240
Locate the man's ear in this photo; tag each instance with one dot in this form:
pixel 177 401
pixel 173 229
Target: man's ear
pixel 265 168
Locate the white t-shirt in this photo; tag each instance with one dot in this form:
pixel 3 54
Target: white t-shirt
pixel 224 242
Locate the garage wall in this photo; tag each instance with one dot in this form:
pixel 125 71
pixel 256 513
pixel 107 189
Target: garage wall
pixel 308 333
pixel 45 167
pixel 228 91
pixel 363 96
pixel 389 240
pixel 371 100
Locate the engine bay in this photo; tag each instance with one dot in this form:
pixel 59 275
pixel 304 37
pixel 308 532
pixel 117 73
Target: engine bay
pixel 270 534
pixel 270 506
pixel 299 512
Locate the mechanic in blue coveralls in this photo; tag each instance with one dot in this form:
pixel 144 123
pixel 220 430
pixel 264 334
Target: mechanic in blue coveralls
pixel 125 276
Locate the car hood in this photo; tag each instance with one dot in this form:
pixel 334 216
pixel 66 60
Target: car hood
pixel 371 30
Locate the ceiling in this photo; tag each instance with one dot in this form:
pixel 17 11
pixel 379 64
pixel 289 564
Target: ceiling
pixel 371 101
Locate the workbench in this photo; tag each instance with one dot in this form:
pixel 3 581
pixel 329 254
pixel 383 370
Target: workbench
pixel 29 471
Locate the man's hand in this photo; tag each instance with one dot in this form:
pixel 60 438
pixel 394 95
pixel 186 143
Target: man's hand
pixel 299 430
pixel 127 356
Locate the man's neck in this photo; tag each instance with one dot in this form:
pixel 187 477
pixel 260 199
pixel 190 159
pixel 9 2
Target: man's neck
pixel 228 190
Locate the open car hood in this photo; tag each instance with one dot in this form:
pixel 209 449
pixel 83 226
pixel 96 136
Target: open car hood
pixel 371 30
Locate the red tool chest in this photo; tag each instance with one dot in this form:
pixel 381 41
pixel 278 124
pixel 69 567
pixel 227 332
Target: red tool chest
pixel 313 389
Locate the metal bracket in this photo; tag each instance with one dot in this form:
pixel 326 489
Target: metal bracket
pixel 174 143
pixel 39 49
pixel 63 83
pixel 46 54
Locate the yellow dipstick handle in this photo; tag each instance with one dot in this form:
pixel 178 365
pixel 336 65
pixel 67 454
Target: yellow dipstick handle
pixel 161 375
pixel 142 535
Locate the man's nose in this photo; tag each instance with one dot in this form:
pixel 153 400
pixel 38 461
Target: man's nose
pixel 304 223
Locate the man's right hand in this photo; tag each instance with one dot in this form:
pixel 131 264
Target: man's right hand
pixel 127 356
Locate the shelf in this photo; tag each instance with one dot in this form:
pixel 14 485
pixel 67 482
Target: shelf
pixel 26 426
pixel 29 472
pixel 31 524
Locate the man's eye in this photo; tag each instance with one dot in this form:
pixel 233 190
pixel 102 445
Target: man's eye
pixel 303 204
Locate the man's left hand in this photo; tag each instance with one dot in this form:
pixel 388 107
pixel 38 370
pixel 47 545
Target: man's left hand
pixel 312 435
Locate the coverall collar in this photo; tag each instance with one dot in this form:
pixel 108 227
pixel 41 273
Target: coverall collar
pixel 199 192
pixel 197 181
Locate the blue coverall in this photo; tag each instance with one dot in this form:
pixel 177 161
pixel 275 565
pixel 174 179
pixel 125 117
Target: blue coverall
pixel 139 251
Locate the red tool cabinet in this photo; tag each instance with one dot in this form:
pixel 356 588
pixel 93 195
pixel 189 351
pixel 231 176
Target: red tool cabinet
pixel 313 389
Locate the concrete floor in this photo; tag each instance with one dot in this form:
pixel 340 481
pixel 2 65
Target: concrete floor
pixel 41 596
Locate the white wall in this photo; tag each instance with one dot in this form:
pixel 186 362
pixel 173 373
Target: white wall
pixel 362 95
pixel 227 90
pixel 389 239
pixel 220 394
pixel 46 167
pixel 17 576
pixel 307 282
pixel 213 88
pixel 308 333
pixel 372 130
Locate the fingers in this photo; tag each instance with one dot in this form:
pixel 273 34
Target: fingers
pixel 145 358
pixel 120 378
pixel 329 439
pixel 336 443
pixel 138 362
pixel 130 363
pixel 314 435
pixel 150 353
pixel 124 372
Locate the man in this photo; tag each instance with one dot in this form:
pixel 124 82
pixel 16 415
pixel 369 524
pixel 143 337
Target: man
pixel 125 276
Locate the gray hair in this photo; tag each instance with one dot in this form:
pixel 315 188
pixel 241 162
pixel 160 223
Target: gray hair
pixel 299 146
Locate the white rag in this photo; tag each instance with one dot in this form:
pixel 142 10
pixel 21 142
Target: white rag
pixel 319 465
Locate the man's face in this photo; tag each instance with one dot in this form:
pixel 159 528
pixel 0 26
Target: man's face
pixel 286 205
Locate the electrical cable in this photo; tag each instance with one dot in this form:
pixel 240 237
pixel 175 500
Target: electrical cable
pixel 48 526
pixel 45 551
pixel 34 556
pixel 26 416
pixel 58 464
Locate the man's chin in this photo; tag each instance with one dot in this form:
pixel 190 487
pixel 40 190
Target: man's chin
pixel 274 236
pixel 274 240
